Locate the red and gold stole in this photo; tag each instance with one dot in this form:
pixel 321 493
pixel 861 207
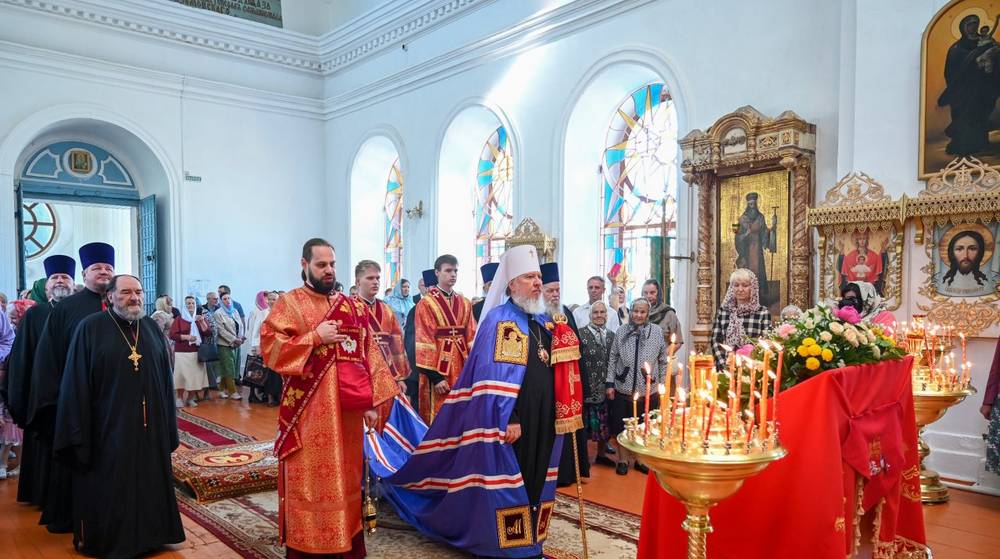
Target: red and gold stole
pixel 349 359
pixel 443 345
pixel 568 383
pixel 389 337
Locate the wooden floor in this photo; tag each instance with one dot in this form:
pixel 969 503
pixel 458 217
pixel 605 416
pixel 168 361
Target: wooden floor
pixel 966 528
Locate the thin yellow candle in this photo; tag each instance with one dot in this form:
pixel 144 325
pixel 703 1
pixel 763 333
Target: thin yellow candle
pixel 635 405
pixel 764 382
pixel 777 381
pixel 663 411
pixel 649 383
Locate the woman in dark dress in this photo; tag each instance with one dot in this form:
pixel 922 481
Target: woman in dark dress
pixel 595 349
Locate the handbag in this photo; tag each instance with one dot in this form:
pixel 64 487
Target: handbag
pixel 255 373
pixel 208 351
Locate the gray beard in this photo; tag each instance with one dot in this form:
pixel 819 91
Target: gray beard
pixel 531 306
pixel 554 308
pixel 130 316
pixel 60 293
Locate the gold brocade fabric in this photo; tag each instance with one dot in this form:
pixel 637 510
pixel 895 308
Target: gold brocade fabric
pixel 444 329
pixel 319 483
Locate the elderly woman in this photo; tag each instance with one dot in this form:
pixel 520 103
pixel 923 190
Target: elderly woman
pixel 595 349
pixel 188 332
pixel 865 299
pixel 661 313
pixel 741 317
pixel 636 343
pixel 227 320
pixel 164 317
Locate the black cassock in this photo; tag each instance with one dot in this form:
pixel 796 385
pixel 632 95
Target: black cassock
pixel 46 376
pixel 35 452
pixel 535 410
pixel 567 470
pixel 115 430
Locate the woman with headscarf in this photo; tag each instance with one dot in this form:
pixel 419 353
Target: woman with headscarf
pixel 400 301
pixel 595 350
pixel 270 391
pixel 227 319
pixel 164 317
pixel 663 314
pixel 636 343
pixel 865 299
pixel 38 291
pixel 188 332
pixel 741 318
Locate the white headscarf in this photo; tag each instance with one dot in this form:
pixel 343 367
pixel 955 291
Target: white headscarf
pixel 194 327
pixel 515 262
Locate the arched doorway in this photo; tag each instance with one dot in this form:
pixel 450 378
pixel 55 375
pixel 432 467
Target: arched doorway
pixel 75 180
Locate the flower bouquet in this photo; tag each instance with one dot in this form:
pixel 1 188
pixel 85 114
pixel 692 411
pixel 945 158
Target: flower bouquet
pixel 824 338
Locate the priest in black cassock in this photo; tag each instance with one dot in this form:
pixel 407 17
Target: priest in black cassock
pixel 486 271
pixel 98 261
pixel 36 452
pixel 116 428
pixel 553 305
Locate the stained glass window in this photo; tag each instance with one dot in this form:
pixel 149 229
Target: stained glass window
pixel 39 228
pixel 393 225
pixel 494 189
pixel 639 197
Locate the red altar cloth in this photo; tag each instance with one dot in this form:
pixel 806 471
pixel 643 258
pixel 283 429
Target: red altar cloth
pixel 846 430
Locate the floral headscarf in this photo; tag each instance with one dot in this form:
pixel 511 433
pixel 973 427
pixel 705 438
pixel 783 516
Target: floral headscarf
pixel 872 302
pixel 735 335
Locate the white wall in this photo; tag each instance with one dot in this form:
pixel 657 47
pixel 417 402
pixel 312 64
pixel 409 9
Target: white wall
pixel 254 130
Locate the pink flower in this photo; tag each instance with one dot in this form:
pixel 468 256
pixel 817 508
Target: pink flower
pixel 785 330
pixel 745 350
pixel 849 315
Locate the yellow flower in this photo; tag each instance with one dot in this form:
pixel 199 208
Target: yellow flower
pixel 803 351
pixel 812 363
pixel 809 341
pixel 815 350
pixel 827 355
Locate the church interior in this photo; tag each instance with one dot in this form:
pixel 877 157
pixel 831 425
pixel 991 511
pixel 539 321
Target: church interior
pixel 857 149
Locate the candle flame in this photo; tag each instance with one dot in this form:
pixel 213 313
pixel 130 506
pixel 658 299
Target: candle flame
pixel 662 390
pixel 722 405
pixel 749 413
pixel 673 338
pixel 732 394
pixel 771 374
pixel 962 335
pixel 756 394
pixel 635 397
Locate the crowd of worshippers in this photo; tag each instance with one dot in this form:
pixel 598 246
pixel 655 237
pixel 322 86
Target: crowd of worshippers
pixel 90 385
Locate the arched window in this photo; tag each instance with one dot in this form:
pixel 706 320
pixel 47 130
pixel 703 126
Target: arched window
pixel 494 189
pixel 40 228
pixel 393 225
pixel 639 198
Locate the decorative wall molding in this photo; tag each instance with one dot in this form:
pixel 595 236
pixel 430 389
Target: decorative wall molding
pixel 381 28
pixel 32 59
pixel 542 28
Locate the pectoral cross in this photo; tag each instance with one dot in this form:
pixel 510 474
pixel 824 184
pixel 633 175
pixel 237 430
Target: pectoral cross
pixel 134 357
pixel 453 332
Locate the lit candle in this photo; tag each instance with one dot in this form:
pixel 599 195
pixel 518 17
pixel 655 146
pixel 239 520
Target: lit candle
pixel 764 382
pixel 749 413
pixel 678 402
pixel 684 423
pixel 777 380
pixel 961 336
pixel 751 390
pixel 729 412
pixel 739 385
pixel 649 383
pixel 711 416
pixel 635 405
pixel 663 411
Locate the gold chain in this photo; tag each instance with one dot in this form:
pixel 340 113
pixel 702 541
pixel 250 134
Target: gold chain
pixel 134 356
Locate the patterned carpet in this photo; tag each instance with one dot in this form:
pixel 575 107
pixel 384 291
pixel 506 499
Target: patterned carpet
pixel 248 524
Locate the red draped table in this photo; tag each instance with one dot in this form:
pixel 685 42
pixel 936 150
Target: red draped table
pixel 851 436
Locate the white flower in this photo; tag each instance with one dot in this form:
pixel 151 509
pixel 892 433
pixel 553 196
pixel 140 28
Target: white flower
pixel 808 324
pixel 837 328
pixel 872 338
pixel 825 336
pixel 852 337
pixel 876 352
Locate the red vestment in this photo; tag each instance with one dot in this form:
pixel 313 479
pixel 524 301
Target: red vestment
pixel 444 330
pixel 320 444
